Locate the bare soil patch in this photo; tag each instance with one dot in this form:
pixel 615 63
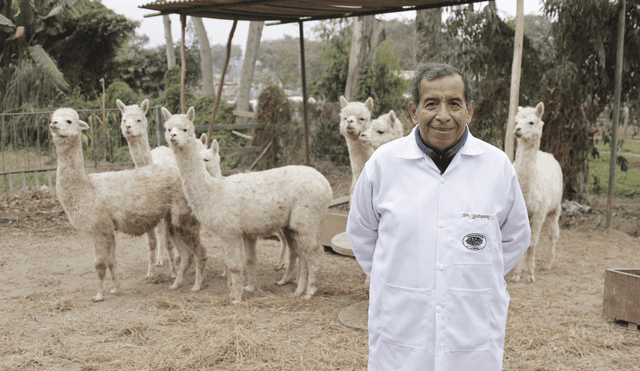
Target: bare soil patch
pixel 48 322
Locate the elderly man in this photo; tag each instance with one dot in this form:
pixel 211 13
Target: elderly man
pixel 436 221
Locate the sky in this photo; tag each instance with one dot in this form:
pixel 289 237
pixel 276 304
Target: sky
pixel 218 30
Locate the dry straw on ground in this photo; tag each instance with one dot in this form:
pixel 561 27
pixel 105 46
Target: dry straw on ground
pixel 47 321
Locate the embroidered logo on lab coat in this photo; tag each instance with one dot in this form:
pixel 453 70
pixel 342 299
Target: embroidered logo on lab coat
pixel 474 241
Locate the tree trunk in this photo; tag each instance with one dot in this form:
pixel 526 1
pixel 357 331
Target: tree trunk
pixel 171 53
pixel 206 58
pixel 248 67
pixel 428 35
pixel 368 33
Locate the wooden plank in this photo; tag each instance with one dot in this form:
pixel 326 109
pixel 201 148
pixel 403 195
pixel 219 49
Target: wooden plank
pixel 334 223
pixel 339 201
pixel 244 114
pixel 251 125
pixel 622 295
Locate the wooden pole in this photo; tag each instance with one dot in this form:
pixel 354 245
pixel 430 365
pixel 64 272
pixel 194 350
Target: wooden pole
pixel 304 98
pixel 616 110
pixel 183 65
pixel 515 80
pixel 224 71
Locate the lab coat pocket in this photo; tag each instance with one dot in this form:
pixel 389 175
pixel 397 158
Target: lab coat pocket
pixel 468 320
pixel 404 319
pixel 476 238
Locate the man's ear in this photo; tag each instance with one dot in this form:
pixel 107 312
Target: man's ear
pixel 412 112
pixel 472 107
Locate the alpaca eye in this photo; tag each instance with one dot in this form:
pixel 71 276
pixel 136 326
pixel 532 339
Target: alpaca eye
pixel 138 120
pixel 69 122
pixel 206 160
pixel 380 132
pixel 185 130
pixel 530 122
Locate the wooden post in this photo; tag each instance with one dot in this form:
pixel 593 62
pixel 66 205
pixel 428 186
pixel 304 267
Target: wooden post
pixel 515 80
pixel 304 98
pixel 224 71
pixel 248 68
pixel 183 65
pixel 616 110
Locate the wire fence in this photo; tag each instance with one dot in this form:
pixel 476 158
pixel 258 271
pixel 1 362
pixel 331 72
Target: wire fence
pixel 28 155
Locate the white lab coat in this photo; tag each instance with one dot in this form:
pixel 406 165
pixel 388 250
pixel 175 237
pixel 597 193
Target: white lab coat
pixel 436 248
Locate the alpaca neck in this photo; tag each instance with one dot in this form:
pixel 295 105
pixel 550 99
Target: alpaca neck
pixel 526 166
pixel 140 151
pixel 358 156
pixel 198 185
pixel 70 174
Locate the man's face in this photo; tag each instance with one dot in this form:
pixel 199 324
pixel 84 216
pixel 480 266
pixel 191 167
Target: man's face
pixel 442 112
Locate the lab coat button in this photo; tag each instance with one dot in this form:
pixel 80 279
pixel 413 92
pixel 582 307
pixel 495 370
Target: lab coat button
pixel 441 224
pixel 441 180
pixel 438 309
pixel 441 266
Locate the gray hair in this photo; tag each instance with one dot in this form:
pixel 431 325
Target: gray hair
pixel 432 71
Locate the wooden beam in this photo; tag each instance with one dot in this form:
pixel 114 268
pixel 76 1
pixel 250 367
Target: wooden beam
pixel 304 98
pixel 250 115
pixel 224 71
pixel 515 80
pixel 616 110
pixel 183 65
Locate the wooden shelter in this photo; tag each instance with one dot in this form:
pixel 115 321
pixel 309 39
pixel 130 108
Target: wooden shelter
pixel 282 12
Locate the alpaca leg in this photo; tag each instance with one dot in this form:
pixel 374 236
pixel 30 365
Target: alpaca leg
pixel 153 243
pixel 103 246
pixel 171 251
pixel 200 255
pixel 530 256
pixel 251 259
pixel 288 237
pixel 233 257
pixel 185 260
pixel 162 247
pixel 553 228
pixel 113 266
pixel 518 268
pixel 284 251
pixel 312 253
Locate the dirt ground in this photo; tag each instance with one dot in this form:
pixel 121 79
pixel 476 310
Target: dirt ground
pixel 47 321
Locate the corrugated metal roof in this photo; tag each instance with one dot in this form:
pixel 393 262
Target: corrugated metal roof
pixel 287 11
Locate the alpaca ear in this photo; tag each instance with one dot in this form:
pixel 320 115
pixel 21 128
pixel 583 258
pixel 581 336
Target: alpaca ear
pixel 540 109
pixel 121 105
pixel 214 146
pixel 369 104
pixel 203 139
pixel 392 117
pixel 83 125
pixel 144 106
pixel 191 114
pixel 165 113
pixel 343 101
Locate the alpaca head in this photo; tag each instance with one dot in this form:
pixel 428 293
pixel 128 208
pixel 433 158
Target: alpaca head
pixel 134 120
pixel 211 159
pixel 179 129
pixel 65 123
pixel 529 124
pixel 383 129
pixel 355 117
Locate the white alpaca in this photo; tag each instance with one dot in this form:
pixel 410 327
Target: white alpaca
pixel 129 201
pixel 540 178
pixel 211 159
pixel 355 118
pixel 245 206
pixel 383 129
pixel 134 128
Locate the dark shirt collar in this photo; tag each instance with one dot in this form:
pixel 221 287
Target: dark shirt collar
pixel 442 159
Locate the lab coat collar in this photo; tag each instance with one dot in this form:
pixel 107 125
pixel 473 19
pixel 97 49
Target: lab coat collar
pixel 410 149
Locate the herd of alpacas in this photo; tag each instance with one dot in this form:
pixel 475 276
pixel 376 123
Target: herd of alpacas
pixel 175 191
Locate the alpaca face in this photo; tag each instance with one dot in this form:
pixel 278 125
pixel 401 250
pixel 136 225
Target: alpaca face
pixel 65 122
pixel 179 129
pixel 211 160
pixel 134 120
pixel 383 129
pixel 355 117
pixel 529 124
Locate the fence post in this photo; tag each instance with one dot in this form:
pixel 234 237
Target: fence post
pixel 2 145
pixel 24 182
pixel 11 184
pixel 35 174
